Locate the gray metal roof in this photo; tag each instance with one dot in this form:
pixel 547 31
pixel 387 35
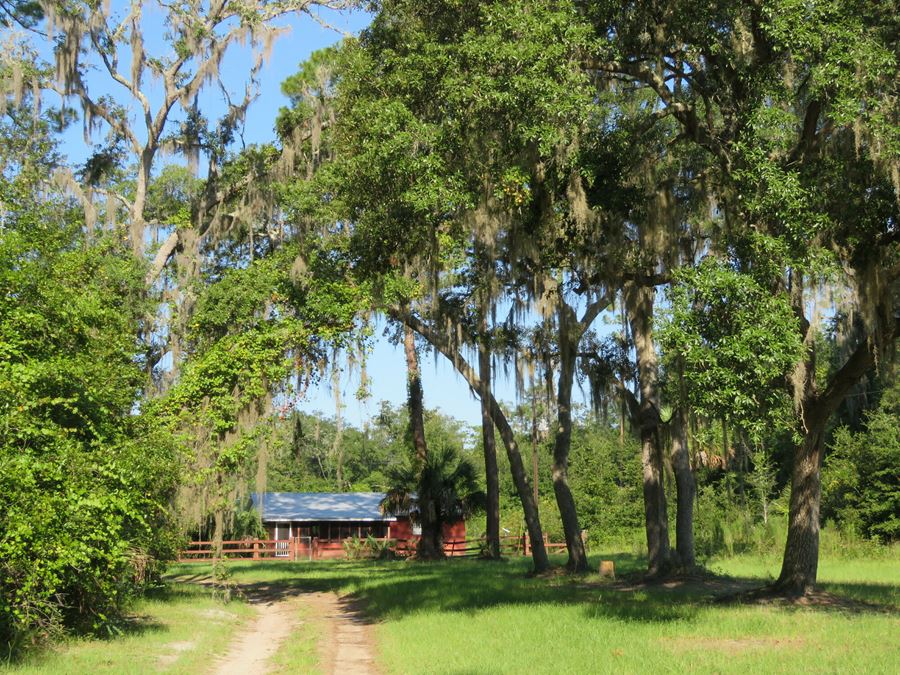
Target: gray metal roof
pixel 326 506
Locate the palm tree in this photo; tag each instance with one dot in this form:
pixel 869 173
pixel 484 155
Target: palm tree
pixel 446 483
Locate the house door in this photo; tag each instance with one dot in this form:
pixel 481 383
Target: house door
pixel 282 540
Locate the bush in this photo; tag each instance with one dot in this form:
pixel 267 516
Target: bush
pixel 85 483
pixel 725 523
pixel 379 549
pixel 860 479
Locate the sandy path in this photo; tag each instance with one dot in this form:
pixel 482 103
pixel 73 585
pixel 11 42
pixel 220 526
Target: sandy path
pixel 346 647
pixel 256 644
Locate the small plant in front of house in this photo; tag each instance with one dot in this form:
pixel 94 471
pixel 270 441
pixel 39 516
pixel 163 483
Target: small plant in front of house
pixel 224 587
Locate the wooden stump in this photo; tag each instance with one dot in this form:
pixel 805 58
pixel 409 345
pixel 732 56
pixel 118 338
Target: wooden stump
pixel 608 569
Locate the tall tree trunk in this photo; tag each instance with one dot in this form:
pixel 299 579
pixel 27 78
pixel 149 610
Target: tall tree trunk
pixel 535 474
pixel 639 303
pixel 523 489
pixel 800 564
pixel 137 226
pixel 427 549
pixel 492 480
pixel 516 465
pixel 564 500
pixel 686 488
pixel 219 518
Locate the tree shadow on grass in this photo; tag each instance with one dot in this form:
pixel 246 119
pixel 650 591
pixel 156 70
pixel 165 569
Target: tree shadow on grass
pixel 391 590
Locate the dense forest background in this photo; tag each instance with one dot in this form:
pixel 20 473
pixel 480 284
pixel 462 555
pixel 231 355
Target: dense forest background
pixel 688 212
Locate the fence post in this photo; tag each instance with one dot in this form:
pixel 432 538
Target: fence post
pixel 527 545
pixel 315 548
pixel 256 549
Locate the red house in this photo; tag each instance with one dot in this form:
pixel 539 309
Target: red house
pixel 332 517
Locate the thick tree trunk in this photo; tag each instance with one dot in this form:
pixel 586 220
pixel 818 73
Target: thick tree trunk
pixel 655 514
pixel 800 564
pixel 564 500
pixel 516 466
pixel 686 489
pixel 429 542
pixel 639 303
pixel 492 480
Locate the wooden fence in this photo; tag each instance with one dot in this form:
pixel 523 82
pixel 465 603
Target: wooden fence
pixel 312 548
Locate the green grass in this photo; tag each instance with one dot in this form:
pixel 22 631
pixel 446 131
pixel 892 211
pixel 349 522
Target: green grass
pixel 875 580
pixel 299 653
pixel 179 629
pixel 476 617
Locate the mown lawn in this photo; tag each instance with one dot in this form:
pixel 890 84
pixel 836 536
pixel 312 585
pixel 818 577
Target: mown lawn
pixel 476 617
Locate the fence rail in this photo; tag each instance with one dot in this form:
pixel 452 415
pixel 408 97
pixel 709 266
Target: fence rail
pixel 313 548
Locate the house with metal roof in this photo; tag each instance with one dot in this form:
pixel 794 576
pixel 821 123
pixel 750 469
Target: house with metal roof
pixel 324 520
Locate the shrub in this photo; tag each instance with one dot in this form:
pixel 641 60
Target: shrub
pixel 860 480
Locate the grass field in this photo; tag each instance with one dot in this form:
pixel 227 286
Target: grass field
pixel 178 629
pixel 477 617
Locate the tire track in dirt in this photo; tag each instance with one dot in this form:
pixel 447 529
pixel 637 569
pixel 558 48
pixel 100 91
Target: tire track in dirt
pixel 347 645
pixel 257 643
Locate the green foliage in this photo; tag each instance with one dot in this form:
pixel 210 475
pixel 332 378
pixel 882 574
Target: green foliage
pixel 606 483
pixel 727 522
pixel 448 480
pixel 860 480
pixel 304 457
pixel 732 342
pixel 25 13
pixel 357 549
pixel 169 196
pixel 84 483
pixel 444 111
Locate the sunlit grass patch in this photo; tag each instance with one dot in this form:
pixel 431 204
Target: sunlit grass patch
pixel 178 629
pixel 465 616
pixel 480 617
pixel 300 651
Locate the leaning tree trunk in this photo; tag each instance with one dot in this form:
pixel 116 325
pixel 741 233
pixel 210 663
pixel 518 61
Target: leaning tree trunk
pixel 492 480
pixel 639 303
pixel 516 465
pixel 564 500
pixel 429 547
pixel 686 489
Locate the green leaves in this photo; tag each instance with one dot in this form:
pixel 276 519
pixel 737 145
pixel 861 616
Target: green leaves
pixel 860 485
pixel 732 341
pixel 83 483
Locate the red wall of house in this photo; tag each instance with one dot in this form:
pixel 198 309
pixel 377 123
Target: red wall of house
pixel 454 532
pixel 402 529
